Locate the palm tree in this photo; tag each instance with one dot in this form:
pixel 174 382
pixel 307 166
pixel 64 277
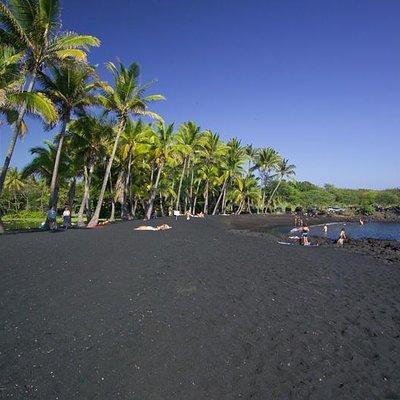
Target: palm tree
pixel 187 144
pixel 232 166
pixel 135 144
pixel 246 190
pixel 283 170
pixel 211 151
pixel 11 95
pixel 70 88
pixel 162 143
pixel 33 28
pixel 266 160
pixel 43 162
pixel 89 139
pixel 125 98
pixel 14 184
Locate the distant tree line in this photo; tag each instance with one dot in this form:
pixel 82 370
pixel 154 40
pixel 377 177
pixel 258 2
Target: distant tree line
pixel 306 195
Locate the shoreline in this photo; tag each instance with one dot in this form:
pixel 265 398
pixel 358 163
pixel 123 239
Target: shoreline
pixel 387 251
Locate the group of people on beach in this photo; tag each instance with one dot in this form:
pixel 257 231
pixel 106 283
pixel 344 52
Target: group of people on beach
pixel 52 218
pixel 304 231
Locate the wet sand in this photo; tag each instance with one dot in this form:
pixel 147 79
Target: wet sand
pixel 206 310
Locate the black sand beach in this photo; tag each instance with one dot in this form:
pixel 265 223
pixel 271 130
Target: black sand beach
pixel 196 312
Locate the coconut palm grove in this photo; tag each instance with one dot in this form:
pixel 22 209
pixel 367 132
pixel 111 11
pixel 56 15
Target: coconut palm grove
pixel 112 156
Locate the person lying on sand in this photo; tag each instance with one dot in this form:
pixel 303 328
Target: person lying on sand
pixel 199 215
pixel 162 227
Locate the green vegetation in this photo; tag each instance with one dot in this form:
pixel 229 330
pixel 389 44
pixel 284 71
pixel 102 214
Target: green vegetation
pixel 306 195
pixel 112 154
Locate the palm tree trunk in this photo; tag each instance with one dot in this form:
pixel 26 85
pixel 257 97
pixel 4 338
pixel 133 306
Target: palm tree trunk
pixel 129 188
pixel 178 197
pixel 249 206
pixel 53 184
pixel 195 198
pixel 220 197
pixel 263 202
pixel 191 190
pixel 240 209
pixel 13 141
pixel 112 215
pixel 152 174
pixel 71 193
pixel 161 206
pixel 272 194
pixel 125 194
pixel 224 197
pixel 95 218
pixel 84 203
pixel 134 207
pixel 154 192
pixel 185 204
pixel 205 210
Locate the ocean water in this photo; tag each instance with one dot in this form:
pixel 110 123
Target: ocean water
pixel 373 230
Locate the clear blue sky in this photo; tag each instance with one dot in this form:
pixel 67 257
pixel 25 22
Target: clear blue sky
pixel 317 80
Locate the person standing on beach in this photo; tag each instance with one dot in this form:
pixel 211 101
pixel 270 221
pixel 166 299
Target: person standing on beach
pixel 66 218
pixel 304 235
pixel 52 217
pixel 325 229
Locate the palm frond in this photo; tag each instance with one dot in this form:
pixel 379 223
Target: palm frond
pixel 50 12
pixel 71 40
pixel 24 12
pixel 36 103
pixel 71 53
pixel 12 24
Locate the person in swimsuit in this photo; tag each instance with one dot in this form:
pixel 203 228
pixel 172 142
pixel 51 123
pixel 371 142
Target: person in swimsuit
pixel 342 237
pixel 162 227
pixel 304 235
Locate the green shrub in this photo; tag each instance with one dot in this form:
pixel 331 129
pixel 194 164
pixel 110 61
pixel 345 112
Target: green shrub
pixel 365 209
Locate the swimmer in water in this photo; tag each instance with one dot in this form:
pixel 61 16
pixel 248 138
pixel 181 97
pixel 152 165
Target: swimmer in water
pixel 325 229
pixel 342 237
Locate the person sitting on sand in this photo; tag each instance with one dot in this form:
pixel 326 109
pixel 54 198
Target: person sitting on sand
pixel 162 227
pixel 188 215
pixel 304 235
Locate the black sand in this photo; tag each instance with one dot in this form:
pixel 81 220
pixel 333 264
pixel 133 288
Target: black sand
pixel 197 312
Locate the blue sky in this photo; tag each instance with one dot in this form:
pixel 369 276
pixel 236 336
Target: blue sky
pixel 317 80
